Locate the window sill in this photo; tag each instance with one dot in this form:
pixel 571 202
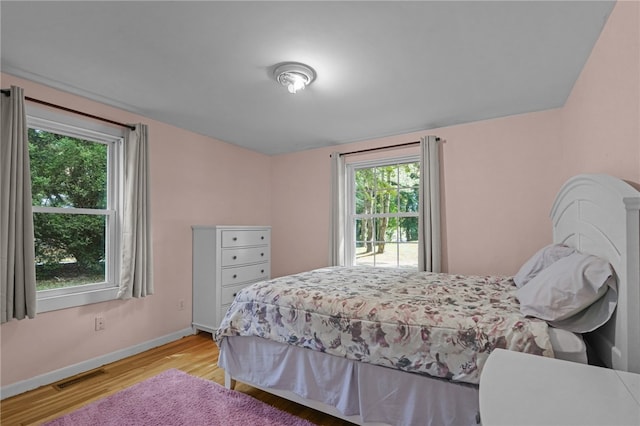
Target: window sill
pixel 54 303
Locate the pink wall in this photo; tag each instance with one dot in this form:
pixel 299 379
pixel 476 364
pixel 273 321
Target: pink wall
pixel 496 191
pixel 601 119
pixel 496 200
pixel 194 180
pixel 500 177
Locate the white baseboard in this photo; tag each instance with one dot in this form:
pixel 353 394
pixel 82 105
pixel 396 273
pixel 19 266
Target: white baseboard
pixel 62 373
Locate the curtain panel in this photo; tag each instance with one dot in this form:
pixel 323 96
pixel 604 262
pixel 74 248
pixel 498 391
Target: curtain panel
pixel 136 265
pixel 338 202
pixel 429 251
pixel 17 250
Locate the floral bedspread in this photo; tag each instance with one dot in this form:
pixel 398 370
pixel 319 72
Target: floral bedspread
pixel 436 324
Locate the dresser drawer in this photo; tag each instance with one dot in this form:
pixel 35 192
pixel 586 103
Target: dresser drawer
pixel 229 293
pixel 239 238
pixel 243 256
pixel 242 274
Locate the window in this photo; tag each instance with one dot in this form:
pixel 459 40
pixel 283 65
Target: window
pixel 382 210
pixel 75 185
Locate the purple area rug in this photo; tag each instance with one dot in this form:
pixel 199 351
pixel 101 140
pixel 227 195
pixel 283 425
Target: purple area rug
pixel 177 398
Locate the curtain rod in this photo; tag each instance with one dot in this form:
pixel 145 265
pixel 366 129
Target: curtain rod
pixel 379 148
pixel 7 92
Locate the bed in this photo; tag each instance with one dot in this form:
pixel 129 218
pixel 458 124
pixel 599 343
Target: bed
pixel 371 372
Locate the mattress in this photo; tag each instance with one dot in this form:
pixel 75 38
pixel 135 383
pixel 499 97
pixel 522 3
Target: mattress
pixel 436 324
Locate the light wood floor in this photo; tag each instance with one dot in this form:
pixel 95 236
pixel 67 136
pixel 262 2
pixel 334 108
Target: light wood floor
pixel 196 355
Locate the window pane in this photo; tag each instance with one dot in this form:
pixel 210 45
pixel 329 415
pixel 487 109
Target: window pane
pixel 386 254
pixel 408 200
pixel 387 202
pixel 365 191
pixel 365 232
pixel 377 253
pixel 408 229
pixel 70 249
pixel 364 179
pixel 364 202
pixel 386 229
pixel 408 255
pixel 387 177
pixel 364 246
pixel 66 171
pixel 410 175
pixel 364 257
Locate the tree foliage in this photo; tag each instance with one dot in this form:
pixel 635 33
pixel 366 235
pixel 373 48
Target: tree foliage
pixel 68 172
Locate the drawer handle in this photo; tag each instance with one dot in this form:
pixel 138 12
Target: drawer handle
pixel 235 238
pixel 262 271
pixel 261 254
pixel 262 238
pixel 234 294
pixel 235 276
pixel 235 257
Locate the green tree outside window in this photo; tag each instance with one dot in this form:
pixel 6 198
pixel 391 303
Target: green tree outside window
pixel 68 173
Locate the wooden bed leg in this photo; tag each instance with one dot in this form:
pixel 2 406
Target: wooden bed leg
pixel 229 383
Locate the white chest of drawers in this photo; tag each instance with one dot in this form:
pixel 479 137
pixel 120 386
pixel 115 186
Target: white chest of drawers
pixel 225 260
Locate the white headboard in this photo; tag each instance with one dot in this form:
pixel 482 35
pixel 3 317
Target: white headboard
pixel 599 215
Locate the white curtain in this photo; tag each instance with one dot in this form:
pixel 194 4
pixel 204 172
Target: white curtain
pixel 429 251
pixel 17 252
pixel 336 236
pixel 136 268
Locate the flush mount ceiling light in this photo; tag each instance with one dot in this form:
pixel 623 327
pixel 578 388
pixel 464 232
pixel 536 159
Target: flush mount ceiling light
pixel 294 76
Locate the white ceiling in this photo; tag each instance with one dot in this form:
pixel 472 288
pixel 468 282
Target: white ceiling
pixel 384 68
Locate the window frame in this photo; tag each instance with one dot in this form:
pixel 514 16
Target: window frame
pixel 112 137
pixel 351 216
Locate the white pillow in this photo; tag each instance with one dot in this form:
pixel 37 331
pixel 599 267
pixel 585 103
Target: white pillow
pixel 542 259
pixel 595 315
pixel 566 288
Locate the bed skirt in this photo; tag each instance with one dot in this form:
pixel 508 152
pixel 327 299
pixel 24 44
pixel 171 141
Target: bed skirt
pixel 373 393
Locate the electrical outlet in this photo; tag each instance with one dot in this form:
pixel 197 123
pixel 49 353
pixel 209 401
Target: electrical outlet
pixel 181 305
pixel 99 323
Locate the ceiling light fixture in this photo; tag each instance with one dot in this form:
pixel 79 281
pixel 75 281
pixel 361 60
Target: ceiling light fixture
pixel 294 76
